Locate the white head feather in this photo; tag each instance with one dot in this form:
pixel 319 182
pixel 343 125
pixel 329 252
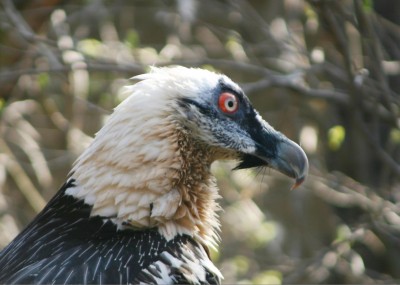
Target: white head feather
pixel 132 171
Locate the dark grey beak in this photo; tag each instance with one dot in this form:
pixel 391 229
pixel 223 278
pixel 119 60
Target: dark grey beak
pixel 278 152
pixel 291 160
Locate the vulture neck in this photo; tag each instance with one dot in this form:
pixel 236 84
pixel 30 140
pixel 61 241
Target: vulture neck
pixel 158 178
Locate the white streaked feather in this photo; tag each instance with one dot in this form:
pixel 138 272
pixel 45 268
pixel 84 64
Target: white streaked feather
pixel 146 200
pixel 133 211
pixel 163 270
pixel 73 191
pixel 105 211
pixel 89 199
pixel 122 196
pixel 166 205
pixel 170 229
pixel 175 262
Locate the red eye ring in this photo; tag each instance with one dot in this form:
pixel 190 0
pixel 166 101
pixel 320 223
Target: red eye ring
pixel 228 103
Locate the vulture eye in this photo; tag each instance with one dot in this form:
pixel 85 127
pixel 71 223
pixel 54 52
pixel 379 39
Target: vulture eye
pixel 228 103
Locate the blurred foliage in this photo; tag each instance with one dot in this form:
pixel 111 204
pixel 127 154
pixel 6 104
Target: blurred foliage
pixel 336 136
pixel 325 73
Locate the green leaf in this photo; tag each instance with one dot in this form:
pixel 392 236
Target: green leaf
pixel 395 136
pixel 91 47
pixel 336 136
pixel 43 80
pixel 368 5
pixel 342 233
pixel 242 264
pixel 132 39
pixel 268 277
pixel 265 233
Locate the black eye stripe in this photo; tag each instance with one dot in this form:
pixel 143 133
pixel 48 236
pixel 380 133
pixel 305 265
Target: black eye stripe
pixel 187 102
pixel 210 109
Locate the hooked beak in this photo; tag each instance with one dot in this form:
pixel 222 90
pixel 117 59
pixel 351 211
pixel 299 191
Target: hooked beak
pixel 292 161
pixel 281 154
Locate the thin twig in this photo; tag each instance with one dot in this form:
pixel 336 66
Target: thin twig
pixel 23 181
pixel 288 82
pixel 27 33
pixel 132 69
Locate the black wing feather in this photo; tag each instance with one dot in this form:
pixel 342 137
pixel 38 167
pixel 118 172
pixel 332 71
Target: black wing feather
pixel 65 245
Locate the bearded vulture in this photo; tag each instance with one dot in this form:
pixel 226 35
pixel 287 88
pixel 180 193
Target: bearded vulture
pixel 139 205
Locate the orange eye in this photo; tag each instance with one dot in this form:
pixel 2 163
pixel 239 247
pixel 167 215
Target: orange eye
pixel 228 103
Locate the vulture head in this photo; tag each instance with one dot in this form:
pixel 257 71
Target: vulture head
pixel 149 166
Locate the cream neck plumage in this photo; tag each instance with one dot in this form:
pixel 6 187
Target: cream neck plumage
pixel 144 170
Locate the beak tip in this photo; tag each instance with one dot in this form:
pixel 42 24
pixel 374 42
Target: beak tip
pixel 295 162
pixel 303 170
pixel 298 182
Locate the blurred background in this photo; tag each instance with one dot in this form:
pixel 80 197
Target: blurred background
pixel 325 73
